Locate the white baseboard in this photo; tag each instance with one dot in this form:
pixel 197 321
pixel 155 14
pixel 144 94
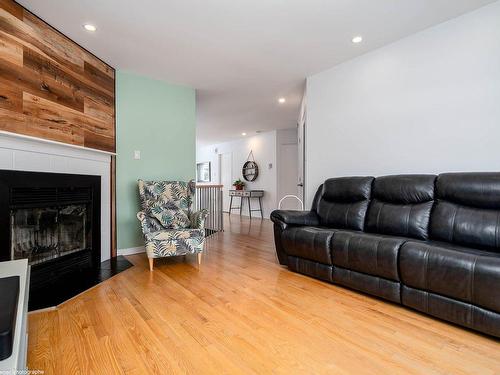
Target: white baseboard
pixel 131 250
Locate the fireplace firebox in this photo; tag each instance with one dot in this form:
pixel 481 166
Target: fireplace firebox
pixel 47 233
pixel 51 219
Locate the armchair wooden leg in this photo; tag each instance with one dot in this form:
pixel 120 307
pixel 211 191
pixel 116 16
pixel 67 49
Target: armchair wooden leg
pixel 151 263
pixel 199 258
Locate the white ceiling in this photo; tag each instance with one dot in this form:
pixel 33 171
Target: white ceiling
pixel 240 55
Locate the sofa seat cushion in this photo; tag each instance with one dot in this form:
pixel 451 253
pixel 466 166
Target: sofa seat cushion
pixel 371 254
pixel 172 242
pixel 310 243
pixel 468 275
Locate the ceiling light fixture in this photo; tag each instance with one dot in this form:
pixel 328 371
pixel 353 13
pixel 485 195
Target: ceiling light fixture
pixel 357 39
pixel 281 100
pixel 89 27
pixel 243 133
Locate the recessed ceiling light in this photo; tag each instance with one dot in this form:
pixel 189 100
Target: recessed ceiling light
pixel 243 133
pixel 281 100
pixel 357 39
pixel 89 27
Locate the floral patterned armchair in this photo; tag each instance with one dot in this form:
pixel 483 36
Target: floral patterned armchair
pixel 169 225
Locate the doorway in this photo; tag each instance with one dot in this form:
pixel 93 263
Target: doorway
pixel 288 175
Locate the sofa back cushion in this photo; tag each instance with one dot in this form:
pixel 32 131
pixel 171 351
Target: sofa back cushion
pixel 344 201
pixel 467 211
pixel 401 205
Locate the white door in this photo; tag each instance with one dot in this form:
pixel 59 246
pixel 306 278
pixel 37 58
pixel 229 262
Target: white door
pixel 225 173
pixel 288 176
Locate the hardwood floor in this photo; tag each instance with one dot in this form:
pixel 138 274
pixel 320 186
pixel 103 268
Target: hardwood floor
pixel 239 312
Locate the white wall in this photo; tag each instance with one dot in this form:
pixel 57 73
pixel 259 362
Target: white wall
pixel 427 103
pixel 30 154
pixel 264 151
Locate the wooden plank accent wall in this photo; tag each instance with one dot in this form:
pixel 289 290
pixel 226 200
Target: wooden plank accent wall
pixel 50 87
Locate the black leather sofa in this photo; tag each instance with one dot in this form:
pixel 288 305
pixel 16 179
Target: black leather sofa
pixel 428 242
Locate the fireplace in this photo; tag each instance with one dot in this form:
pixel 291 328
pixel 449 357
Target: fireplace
pixel 53 220
pixel 46 233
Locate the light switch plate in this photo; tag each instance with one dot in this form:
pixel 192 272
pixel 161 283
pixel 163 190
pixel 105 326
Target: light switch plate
pixel 137 155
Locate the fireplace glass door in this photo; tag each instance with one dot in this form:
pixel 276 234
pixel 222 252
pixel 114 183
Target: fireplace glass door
pixel 43 234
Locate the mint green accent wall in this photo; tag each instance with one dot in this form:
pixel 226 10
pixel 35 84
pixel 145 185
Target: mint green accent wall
pixel 157 119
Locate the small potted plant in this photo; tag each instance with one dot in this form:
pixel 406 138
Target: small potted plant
pixel 238 184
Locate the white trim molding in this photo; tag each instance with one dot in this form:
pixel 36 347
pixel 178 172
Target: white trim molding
pixel 29 137
pixel 131 250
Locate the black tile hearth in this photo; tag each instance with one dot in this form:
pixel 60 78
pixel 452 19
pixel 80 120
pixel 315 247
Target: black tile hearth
pixel 75 283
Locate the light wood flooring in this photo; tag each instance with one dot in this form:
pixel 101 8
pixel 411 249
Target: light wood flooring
pixel 242 313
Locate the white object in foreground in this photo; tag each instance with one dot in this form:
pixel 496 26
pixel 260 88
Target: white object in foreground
pixel 17 362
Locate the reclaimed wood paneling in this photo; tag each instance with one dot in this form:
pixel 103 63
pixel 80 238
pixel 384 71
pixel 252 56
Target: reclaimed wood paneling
pixel 50 87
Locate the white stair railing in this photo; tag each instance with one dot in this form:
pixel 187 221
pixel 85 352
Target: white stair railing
pixel 209 197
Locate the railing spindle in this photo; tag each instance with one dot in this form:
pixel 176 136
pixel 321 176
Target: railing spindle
pixel 210 197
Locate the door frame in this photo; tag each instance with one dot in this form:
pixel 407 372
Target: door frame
pixel 220 155
pixel 301 144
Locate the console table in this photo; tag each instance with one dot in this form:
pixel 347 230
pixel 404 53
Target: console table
pixel 248 194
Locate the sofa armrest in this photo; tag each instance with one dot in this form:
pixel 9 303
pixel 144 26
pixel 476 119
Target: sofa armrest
pixel 282 219
pixel 290 217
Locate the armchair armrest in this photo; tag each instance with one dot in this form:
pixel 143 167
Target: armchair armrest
pixel 290 217
pixel 148 224
pixel 198 219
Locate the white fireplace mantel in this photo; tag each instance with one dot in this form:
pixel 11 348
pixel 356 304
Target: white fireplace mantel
pixel 24 153
pixel 49 141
